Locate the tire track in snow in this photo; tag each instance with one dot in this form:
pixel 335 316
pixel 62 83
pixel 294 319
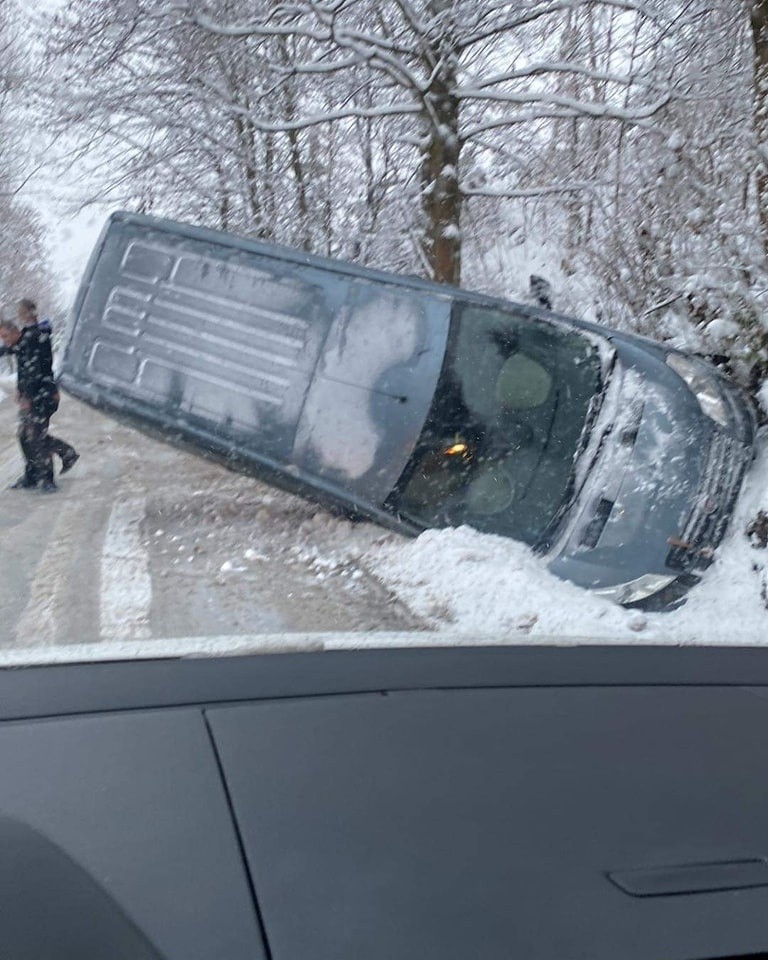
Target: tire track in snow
pixel 126 583
pixel 49 588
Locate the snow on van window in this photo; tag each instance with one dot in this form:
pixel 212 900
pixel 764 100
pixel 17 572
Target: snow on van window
pixel 375 330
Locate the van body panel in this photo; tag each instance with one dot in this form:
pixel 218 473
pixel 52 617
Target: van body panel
pixel 329 380
pixel 285 361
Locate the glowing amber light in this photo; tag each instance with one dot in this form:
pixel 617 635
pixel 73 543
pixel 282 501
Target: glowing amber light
pixel 456 450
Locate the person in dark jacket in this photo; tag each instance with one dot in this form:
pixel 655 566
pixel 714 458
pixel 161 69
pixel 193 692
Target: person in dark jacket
pixel 38 399
pixel 27 314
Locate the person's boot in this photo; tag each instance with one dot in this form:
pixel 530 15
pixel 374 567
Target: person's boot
pixel 23 483
pixel 69 460
pixel 48 486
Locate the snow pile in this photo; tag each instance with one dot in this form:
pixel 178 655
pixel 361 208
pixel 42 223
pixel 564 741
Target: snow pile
pixel 447 587
pixel 462 582
pixel 465 585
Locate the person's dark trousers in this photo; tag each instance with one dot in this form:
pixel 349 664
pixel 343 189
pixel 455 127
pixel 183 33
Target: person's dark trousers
pixel 56 445
pixel 60 448
pixel 35 443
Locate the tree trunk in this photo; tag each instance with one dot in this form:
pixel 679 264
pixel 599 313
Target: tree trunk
pixel 297 168
pixel 440 193
pixel 247 142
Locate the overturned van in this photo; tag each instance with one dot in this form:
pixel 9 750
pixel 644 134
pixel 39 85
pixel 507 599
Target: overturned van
pixel 417 405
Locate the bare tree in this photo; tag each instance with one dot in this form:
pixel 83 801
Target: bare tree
pixel 197 92
pixel 444 65
pixel 681 250
pixel 24 267
pixel 414 134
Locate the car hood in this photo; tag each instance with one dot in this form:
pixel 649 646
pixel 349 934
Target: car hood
pixel 647 457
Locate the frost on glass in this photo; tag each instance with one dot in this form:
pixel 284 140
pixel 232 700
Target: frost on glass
pixel 375 331
pixel 223 340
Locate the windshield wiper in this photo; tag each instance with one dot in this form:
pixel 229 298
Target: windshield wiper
pixel 595 404
pixel 544 542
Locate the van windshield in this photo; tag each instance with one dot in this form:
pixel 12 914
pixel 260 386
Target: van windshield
pixel 509 417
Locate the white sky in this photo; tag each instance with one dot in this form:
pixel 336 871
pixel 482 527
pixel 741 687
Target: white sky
pixel 70 241
pixel 70 235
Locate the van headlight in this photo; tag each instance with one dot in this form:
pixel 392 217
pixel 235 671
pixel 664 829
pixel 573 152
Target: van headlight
pixel 635 590
pixel 702 385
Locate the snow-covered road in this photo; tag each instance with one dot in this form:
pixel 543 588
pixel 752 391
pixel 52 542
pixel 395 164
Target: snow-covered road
pixel 145 541
pixel 150 550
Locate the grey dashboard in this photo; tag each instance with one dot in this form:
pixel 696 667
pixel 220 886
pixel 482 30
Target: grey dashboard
pixel 493 803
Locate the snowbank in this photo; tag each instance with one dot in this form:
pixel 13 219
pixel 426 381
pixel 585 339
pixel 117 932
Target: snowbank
pixel 462 582
pixel 468 586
